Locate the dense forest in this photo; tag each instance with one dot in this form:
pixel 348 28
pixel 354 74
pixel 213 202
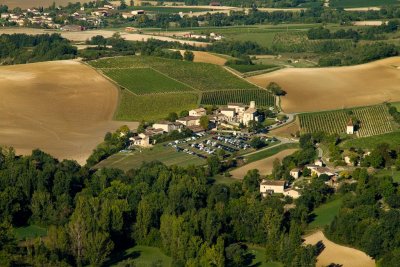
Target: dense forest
pixel 23 48
pixel 369 218
pixel 93 215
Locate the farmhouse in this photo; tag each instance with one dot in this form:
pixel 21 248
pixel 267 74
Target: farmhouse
pixel 268 187
pixel 189 121
pixel 291 193
pixel 350 127
pixel 141 140
pixel 168 126
pixel 239 113
pixel 295 173
pixel 229 113
pixel 72 28
pixel 198 112
pixel 318 170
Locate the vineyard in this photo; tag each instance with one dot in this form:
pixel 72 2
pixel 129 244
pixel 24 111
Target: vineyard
pixel 262 97
pixel 373 120
pixel 200 76
pixel 298 42
pixel 145 81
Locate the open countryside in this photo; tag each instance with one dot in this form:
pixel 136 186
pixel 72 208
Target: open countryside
pixel 221 133
pixel 48 106
pixel 336 87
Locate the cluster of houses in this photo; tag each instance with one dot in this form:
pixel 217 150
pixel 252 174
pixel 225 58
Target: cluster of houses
pixel 212 36
pixel 227 117
pixel 30 17
pixel 269 187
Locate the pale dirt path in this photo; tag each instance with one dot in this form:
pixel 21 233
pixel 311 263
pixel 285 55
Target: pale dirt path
pixel 264 166
pixel 334 253
pixel 316 89
pixel 62 107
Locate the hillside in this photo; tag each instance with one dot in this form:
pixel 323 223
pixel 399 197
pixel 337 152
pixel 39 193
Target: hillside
pixel 152 87
pixel 49 106
pixel 318 89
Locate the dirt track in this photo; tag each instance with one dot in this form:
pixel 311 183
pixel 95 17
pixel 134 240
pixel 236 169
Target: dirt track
pixel 62 107
pixel 334 253
pixel 264 166
pixel 315 89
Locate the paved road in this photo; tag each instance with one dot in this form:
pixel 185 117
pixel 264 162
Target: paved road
pixel 282 141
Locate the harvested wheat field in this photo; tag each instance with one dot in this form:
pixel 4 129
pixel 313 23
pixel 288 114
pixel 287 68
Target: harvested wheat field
pixel 288 131
pixel 341 255
pixel 264 166
pixel 62 107
pixel 205 57
pixel 316 89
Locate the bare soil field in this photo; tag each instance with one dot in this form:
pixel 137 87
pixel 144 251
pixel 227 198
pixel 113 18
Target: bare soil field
pixel 82 36
pixel 62 107
pixel 317 89
pixel 368 23
pixel 24 4
pixel 205 57
pixel 264 166
pixel 288 130
pixel 341 255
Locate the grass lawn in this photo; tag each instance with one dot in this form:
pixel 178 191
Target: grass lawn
pixel 391 172
pixel 393 139
pixel 153 107
pixel 145 81
pixel 166 155
pixel 325 213
pixel 220 179
pixel 29 232
pixel 259 257
pixel 143 256
pixel 362 3
pixel 269 152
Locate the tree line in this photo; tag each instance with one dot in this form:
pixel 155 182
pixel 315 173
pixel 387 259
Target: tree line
pixel 23 48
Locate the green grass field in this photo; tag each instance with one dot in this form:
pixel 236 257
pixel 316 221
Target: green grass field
pixel 145 81
pixel 29 232
pixel 269 152
pixel 153 107
pixel 142 256
pixel 325 214
pixel 374 120
pixel 166 155
pixel 250 68
pixel 262 97
pixel 393 139
pixel 259 257
pixel 395 174
pixel 362 3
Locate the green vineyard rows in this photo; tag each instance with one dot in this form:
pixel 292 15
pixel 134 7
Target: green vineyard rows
pixel 373 120
pixel 262 97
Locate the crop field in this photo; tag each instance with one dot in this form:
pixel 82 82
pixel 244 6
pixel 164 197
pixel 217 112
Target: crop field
pixel 262 97
pixel 200 76
pixel 298 42
pixel 153 107
pixel 145 81
pixel 319 89
pixel 62 107
pixel 166 155
pixel 154 87
pixel 362 3
pixel 250 68
pixel 374 120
